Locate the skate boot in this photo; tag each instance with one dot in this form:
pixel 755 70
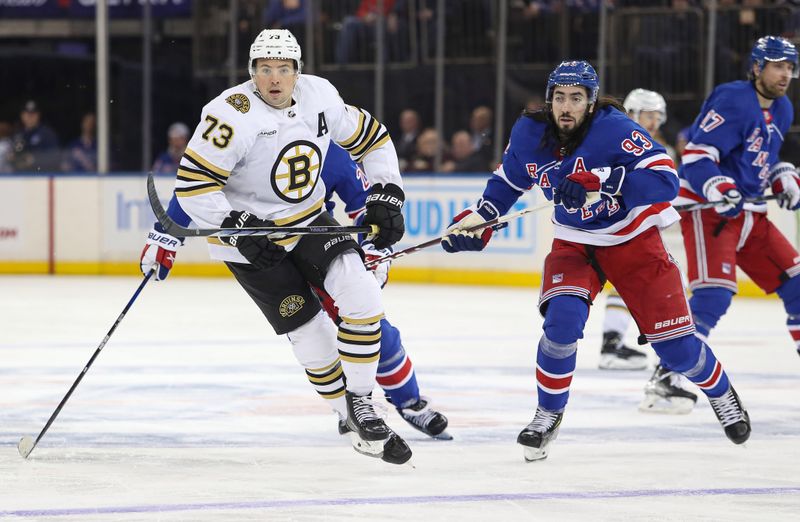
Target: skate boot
pixel 614 355
pixel 425 419
pixel 732 415
pixel 537 436
pixel 369 434
pixel 663 394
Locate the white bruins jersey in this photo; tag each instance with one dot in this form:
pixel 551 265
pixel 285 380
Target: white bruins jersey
pixel 246 155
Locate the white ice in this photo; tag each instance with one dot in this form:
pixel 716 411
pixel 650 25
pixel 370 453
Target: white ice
pixel 195 410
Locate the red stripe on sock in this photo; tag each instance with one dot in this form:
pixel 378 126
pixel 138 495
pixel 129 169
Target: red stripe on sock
pixel 712 381
pixel 553 383
pixel 397 376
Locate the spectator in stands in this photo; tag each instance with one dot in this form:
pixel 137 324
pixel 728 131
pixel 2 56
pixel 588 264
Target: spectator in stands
pixel 480 127
pixel 406 144
pixel 6 147
pixel 464 156
pixel 424 157
pixel 81 153
pixel 358 31
pixel 287 14
pixel 35 144
pixel 177 139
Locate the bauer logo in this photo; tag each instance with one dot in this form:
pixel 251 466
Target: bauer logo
pixel 672 322
pixel 291 305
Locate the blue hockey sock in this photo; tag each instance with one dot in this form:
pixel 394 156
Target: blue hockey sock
pixel 693 358
pixel 395 371
pixel 789 292
pixel 708 305
pixel 555 364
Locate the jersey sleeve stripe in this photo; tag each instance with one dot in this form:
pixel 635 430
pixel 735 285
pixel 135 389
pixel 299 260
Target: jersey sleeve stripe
pixel 695 152
pixel 373 127
pixel 198 160
pixel 378 143
pixel 196 190
pixel 359 129
pixel 190 176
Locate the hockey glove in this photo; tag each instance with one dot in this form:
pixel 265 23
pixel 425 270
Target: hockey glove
pixel 159 252
pixel 459 240
pixel 786 185
pixel 384 208
pixel 381 270
pixel 723 189
pixel 259 250
pixel 572 191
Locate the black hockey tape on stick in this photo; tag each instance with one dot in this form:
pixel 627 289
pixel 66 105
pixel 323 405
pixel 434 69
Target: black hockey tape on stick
pixel 496 223
pixel 26 443
pixel 174 229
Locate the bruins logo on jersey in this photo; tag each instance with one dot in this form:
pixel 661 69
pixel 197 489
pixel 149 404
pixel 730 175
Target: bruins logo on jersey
pixel 239 102
pixel 291 305
pixel 296 171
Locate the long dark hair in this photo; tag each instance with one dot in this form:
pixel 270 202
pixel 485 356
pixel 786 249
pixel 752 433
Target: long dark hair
pixel 550 138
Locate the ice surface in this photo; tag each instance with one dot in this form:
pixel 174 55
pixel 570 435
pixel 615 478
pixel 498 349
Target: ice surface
pixel 195 410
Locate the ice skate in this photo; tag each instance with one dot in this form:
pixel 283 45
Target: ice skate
pixel 663 394
pixel 425 419
pixel 537 436
pixel 732 415
pixel 369 434
pixel 614 355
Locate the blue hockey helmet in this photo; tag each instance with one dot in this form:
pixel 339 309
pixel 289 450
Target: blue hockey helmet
pixel 569 74
pixel 774 49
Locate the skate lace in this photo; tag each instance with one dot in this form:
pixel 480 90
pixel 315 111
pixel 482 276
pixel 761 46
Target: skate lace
pixel 543 420
pixel 367 409
pixel 727 409
pixel 421 418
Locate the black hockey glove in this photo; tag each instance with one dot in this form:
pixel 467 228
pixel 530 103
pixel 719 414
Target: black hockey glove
pixel 384 208
pixel 259 250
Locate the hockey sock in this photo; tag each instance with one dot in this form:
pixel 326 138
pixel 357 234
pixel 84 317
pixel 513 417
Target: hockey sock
pixel 694 359
pixel 789 292
pixel 708 305
pixel 329 383
pixel 359 349
pixel 617 316
pixel 555 364
pixel 395 371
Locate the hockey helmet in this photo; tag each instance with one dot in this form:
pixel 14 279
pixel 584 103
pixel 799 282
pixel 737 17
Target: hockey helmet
pixel 774 49
pixel 639 100
pixel 569 74
pixel 279 44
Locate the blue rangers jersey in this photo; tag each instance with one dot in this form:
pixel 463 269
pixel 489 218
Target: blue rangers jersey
pixel 732 136
pixel 612 140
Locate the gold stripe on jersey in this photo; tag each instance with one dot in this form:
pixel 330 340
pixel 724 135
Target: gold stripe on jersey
pixel 294 219
pixel 352 139
pixel 190 175
pixel 196 190
pixel 381 141
pixel 200 161
pixel 372 130
pixel 368 320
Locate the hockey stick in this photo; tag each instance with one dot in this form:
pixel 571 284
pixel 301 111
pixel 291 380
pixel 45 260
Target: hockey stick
pixel 26 443
pixel 174 229
pixel 496 223
pixel 711 204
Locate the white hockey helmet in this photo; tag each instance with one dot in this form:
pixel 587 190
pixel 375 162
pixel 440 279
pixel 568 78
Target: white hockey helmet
pixel 279 44
pixel 639 100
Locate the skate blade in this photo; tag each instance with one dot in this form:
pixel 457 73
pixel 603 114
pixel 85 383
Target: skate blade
pixel 615 363
pixel 673 406
pixel 370 448
pixel 442 436
pixel 534 454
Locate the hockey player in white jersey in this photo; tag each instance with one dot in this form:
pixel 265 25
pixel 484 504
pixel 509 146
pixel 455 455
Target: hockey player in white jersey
pixel 255 160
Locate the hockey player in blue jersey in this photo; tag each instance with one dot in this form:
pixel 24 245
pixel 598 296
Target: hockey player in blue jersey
pixel 732 157
pixel 612 184
pixel 396 374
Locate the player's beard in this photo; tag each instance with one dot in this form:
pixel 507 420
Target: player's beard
pixel 771 91
pixel 566 134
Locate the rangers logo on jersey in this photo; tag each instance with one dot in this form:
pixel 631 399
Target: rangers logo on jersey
pixel 296 171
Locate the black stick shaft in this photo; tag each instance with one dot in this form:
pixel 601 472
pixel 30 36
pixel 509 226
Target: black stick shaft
pixel 89 364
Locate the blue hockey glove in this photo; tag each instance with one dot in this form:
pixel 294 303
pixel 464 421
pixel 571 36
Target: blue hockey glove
pixel 786 185
pixel 572 190
pixel 159 252
pixel 259 250
pixel 723 189
pixel 459 240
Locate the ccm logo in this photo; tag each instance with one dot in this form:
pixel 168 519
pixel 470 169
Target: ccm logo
pixel 385 198
pixel 672 322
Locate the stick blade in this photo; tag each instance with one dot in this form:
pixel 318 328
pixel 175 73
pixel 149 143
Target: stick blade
pixel 25 446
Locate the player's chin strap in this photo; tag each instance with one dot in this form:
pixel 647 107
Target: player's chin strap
pixel 711 204
pixel 496 223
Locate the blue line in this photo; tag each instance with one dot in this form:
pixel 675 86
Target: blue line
pixel 432 499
